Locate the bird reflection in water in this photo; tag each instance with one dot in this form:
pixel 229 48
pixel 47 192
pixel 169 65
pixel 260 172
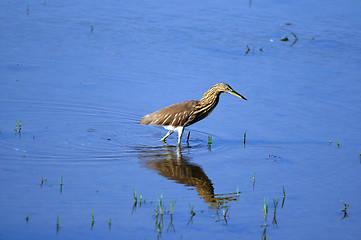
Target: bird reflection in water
pixel 169 162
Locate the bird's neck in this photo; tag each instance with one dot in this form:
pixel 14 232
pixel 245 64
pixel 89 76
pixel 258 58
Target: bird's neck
pixel 211 98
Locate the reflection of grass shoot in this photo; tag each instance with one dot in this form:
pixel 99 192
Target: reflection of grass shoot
pixel 244 137
pixel 172 207
pixel 110 222
pixel 42 181
pixel 57 223
pixel 265 211
pixel 16 127
pixel 238 191
pixel 27 218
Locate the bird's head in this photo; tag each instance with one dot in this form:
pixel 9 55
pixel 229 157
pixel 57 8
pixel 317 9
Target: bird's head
pixel 225 88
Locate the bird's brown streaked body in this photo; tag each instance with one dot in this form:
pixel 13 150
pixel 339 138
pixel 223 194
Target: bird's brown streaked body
pixel 180 115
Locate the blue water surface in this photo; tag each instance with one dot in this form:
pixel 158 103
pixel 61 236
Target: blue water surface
pixel 79 75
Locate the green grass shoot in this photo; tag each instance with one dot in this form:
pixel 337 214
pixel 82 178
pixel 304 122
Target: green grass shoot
pixel 275 203
pixel 110 222
pixel 57 223
pixel 244 137
pixel 283 190
pixel 135 196
pixel 224 212
pixel 156 210
pixel 254 177
pixel 248 49
pixel 61 183
pixel 92 217
pixel 238 192
pixel 189 133
pixel 265 211
pixel 172 203
pixel 191 207
pixel 209 140
pixel 346 205
pixel 338 143
pixel 161 205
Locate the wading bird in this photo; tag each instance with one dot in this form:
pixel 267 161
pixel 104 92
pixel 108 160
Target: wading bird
pixel 181 115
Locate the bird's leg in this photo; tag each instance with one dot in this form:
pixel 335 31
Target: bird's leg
pixel 180 133
pixel 168 133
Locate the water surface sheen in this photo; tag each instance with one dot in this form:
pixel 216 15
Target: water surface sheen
pixel 79 76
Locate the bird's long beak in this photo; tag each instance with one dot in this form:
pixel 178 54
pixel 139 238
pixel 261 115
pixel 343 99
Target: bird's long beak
pixel 237 94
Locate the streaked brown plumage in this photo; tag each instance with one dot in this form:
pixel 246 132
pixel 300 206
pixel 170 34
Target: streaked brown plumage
pixel 180 115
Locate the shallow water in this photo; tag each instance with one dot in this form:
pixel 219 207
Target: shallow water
pixel 80 75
